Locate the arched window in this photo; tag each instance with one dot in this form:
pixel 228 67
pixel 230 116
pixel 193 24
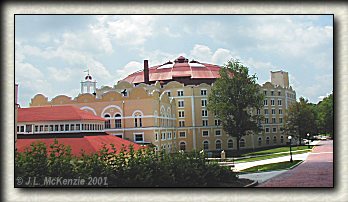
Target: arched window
pixel 206 145
pixel 259 141
pixel 182 146
pixel 107 122
pixel 218 144
pixel 282 139
pixel 267 140
pixel 242 143
pixel 137 119
pixel 230 144
pixel 118 121
pixel 274 139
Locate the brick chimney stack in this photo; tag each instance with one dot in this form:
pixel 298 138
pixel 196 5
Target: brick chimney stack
pixel 146 72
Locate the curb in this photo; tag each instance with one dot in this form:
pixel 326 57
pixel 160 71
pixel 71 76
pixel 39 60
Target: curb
pixel 253 184
pixel 295 165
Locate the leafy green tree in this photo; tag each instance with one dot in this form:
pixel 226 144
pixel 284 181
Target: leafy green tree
pixel 300 119
pixel 325 115
pixel 234 96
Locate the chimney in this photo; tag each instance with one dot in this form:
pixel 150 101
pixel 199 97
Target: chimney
pixel 146 72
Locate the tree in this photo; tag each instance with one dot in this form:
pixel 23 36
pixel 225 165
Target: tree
pixel 233 98
pixel 325 115
pixel 300 119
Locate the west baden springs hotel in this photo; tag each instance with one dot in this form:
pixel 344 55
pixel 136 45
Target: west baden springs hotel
pixel 166 105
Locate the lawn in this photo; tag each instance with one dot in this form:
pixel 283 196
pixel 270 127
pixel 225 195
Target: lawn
pixel 277 150
pixel 272 166
pixel 269 156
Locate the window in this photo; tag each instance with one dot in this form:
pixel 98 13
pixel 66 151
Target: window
pixel 72 126
pixel 274 130
pixel 218 132
pixel 168 93
pixel 274 140
pixel 182 134
pixel 280 120
pixel 51 127
pixel 204 113
pixel 230 144
pixel 280 102
pixel 265 102
pixel 266 120
pixel 242 143
pixel 28 128
pixel 66 127
pixel 36 128
pixel 205 145
pixel 139 137
pixel 282 139
pixel 180 103
pixel 41 128
pixel 280 111
pixel 205 122
pixel 218 144
pixel 174 135
pixel 107 122
pixel 217 122
pixel 267 129
pixel 279 93
pixel 119 135
pixel 265 92
pixel 272 102
pixel 46 128
pixel 22 129
pixel 259 141
pixel 273 120
pixel 258 111
pixel 266 111
pixel 118 123
pixel 204 92
pixel 273 111
pixel 163 136
pixel 169 136
pixel 181 123
pixel 156 136
pixel 267 140
pixel 205 133
pixel 181 114
pixel 204 103
pixel 272 92
pixel 182 146
pixel 138 120
pixel 77 126
pixel 180 93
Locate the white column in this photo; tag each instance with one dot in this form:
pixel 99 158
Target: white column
pixel 193 119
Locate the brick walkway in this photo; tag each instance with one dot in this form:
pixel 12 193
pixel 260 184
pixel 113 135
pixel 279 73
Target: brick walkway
pixel 316 171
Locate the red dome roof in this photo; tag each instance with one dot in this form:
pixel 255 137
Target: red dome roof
pixel 181 70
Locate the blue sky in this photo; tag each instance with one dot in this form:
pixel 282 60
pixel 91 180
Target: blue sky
pixel 52 51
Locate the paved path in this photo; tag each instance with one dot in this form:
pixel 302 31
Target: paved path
pixel 316 171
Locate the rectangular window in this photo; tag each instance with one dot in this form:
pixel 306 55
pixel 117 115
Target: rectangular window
pixel 266 120
pixel 205 122
pixel 180 93
pixel 163 136
pixel 41 127
pixel 62 128
pixel 22 129
pixel 46 127
pixel 51 127
pixel 280 102
pixel 204 113
pixel 273 120
pixel 181 114
pixel 182 134
pixel 72 126
pixel 181 123
pixel 204 103
pixel 218 132
pixel 280 120
pixel 36 128
pixel 66 127
pixel 139 138
pixel 267 130
pixel 279 93
pixel 28 128
pixel 272 102
pixel 203 92
pixel 266 111
pixel 273 111
pixel 180 103
pixel 168 93
pixel 265 102
pixel 174 135
pixel 205 133
pixel 272 92
pixel 156 136
pixel 169 135
pixel 77 126
pixel 280 111
pixel 274 130
pixel 265 92
pixel 217 122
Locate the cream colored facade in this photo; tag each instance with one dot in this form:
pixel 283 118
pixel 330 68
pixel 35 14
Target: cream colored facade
pixel 175 116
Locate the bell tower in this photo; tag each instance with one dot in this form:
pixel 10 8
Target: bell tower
pixel 88 85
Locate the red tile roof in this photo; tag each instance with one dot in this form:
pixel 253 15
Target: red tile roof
pixel 181 67
pixel 89 144
pixel 54 113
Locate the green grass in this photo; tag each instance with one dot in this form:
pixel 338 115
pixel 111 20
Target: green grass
pixel 277 150
pixel 272 167
pixel 258 158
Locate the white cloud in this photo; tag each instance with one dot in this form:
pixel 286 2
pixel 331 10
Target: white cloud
pixel 201 53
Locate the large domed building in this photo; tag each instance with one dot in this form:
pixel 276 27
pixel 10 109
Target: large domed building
pixel 166 105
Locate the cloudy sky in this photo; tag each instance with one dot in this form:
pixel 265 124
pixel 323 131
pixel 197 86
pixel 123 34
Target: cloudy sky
pixel 52 51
